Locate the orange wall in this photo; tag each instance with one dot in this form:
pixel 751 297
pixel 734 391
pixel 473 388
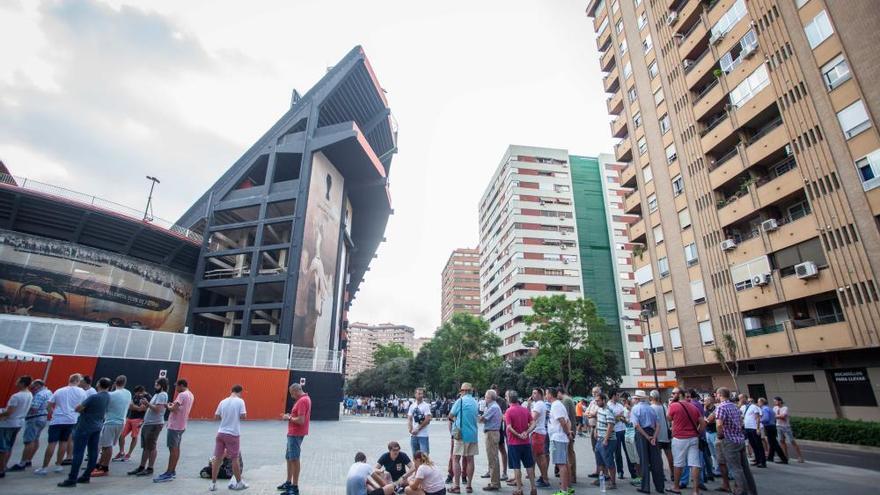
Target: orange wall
pixel 59 372
pixel 265 390
pixel 9 373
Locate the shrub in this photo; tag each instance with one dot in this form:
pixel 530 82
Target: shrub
pixel 837 430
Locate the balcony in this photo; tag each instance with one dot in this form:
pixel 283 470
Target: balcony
pixel 772 343
pixel 647 291
pixel 767 140
pixel 618 127
pixel 796 288
pixel 726 168
pixel 747 249
pixel 637 231
pixel 610 81
pixel 628 175
pixel 698 69
pixel 757 297
pixel 615 103
pixel 779 187
pixel 607 60
pixel 716 9
pixel 824 335
pixel 632 201
pixel 736 210
pixel 603 42
pixel 694 39
pixel 715 132
pixel 793 232
pixel 686 14
pixel 623 150
pixel 755 106
pixel 709 100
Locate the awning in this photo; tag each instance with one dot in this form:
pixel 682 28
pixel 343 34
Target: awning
pixel 11 354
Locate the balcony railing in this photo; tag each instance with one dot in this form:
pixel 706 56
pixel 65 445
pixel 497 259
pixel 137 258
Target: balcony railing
pixel 96 202
pixel 763 131
pixel 779 169
pixel 820 320
pixel 713 124
pixel 705 90
pixel 754 332
pixel 727 156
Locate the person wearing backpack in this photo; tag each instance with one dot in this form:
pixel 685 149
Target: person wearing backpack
pixel 688 426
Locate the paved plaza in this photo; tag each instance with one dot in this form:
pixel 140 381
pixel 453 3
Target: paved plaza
pixel 330 449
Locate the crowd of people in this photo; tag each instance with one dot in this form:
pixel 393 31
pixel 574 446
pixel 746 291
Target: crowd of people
pixel 86 423
pixel 688 440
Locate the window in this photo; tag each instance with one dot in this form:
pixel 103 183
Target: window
pixel 643 20
pixel 664 124
pixel 690 254
pixel 671 155
pixel 819 29
pixel 615 7
pixel 745 90
pixel 658 96
pixel 684 219
pixel 741 275
pixel 869 170
pixel 736 12
pixel 786 259
pixel 799 4
pixel 619 26
pixel 637 120
pixel 627 70
pixel 652 203
pixel 638 2
pixel 647 44
pixel 706 334
pixel 677 185
pixel 675 338
pixel 653 70
pixel 669 298
pixel 647 174
pixel 655 339
pixel 643 145
pixel 746 45
pixel 663 266
pixel 658 234
pixel 836 72
pixel 631 94
pixel 644 275
pixel 623 47
pixel 698 292
pixel 854 119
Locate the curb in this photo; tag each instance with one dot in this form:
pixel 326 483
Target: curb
pixel 838 446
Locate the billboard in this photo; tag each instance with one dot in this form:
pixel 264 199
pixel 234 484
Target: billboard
pixel 57 279
pixel 313 324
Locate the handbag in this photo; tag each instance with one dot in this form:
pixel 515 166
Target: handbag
pixel 456 428
pixel 704 445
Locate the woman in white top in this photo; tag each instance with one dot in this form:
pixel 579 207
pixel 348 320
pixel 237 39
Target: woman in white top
pixel 427 480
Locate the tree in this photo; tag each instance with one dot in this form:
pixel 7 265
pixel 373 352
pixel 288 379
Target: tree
pixel 728 356
pixel 511 375
pixel 462 350
pixel 385 353
pixel 567 354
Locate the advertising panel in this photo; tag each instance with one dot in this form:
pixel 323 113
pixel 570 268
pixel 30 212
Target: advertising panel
pixel 57 279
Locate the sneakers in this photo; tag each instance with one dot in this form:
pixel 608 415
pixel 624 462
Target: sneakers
pixel 67 483
pixel 241 485
pixel 136 471
pixel 19 467
pixel 283 487
pixel 165 477
pixel 120 457
pixel 212 487
pixel 66 462
pixel 41 471
pixel 145 472
pixel 58 469
pixel 127 458
pixel 542 483
pixel 97 473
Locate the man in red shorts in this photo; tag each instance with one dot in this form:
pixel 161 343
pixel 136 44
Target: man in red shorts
pixel 133 422
pixel 230 412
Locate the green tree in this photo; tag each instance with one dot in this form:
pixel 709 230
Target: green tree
pixel 566 353
pixel 462 350
pixel 728 356
pixel 385 353
pixel 511 375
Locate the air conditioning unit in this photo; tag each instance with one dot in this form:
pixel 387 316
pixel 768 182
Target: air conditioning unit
pixel 671 18
pixel 769 225
pixel 715 38
pixel 564 261
pixel 687 63
pixel 564 247
pixel 728 245
pixel 761 279
pixel 750 51
pixel 807 269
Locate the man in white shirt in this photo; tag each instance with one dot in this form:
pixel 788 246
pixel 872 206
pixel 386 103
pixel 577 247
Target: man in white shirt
pixel 751 420
pixel 539 436
pixel 12 419
pixel 230 412
pixel 559 430
pixel 62 406
pixel 418 418
pixel 783 427
pixel 620 434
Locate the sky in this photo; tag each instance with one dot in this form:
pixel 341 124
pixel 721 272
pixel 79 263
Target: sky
pixel 95 95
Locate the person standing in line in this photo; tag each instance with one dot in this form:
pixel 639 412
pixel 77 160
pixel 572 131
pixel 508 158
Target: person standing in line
pixel 62 406
pixel 491 420
pixel 519 423
pixel 590 415
pixel 502 448
pixel 664 443
pixel 751 415
pixel 783 428
pixel 180 408
pixel 733 443
pixel 418 418
pixel 720 462
pixel 606 442
pixel 463 417
pixel 120 398
pixel 297 429
pixel 711 436
pixel 630 440
pixel 86 385
pixel 134 420
pixel 645 421
pixel 620 453
pixel 35 422
pixel 560 435
pixel 230 411
pixel 88 433
pixel 12 419
pixel 687 426
pixel 539 436
pixel 573 422
pixel 154 421
pixel 768 422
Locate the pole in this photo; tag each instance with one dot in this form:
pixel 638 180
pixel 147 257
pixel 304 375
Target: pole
pixel 653 361
pixel 149 208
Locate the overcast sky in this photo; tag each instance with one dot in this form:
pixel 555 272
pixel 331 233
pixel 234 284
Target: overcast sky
pixel 95 95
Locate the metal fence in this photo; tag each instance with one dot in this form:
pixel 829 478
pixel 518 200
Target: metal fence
pixel 48 336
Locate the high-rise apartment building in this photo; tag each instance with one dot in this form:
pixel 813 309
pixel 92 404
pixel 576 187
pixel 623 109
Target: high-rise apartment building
pixel 543 231
pixel 461 284
pixel 364 339
pixel 752 154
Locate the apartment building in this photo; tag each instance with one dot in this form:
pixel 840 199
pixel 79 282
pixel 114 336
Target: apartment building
pixel 752 157
pixel 543 232
pixel 364 339
pixel 460 291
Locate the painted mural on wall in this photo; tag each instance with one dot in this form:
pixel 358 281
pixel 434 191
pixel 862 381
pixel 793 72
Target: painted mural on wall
pixel 313 325
pixel 51 278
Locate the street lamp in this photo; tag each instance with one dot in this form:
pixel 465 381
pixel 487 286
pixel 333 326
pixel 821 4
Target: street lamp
pixel 645 316
pixel 148 211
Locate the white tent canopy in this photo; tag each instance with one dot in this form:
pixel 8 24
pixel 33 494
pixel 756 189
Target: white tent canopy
pixel 11 354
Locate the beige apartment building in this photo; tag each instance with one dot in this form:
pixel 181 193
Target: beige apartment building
pixel 749 133
pixel 364 339
pixel 461 284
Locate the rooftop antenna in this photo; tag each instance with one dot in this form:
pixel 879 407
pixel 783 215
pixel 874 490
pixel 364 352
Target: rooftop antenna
pixel 148 211
pixel 294 97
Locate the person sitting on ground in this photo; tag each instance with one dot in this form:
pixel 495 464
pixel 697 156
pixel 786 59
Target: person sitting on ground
pixel 396 463
pixel 362 479
pixel 427 480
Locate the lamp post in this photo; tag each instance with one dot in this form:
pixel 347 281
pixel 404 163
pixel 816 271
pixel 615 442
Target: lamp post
pixel 645 316
pixel 148 211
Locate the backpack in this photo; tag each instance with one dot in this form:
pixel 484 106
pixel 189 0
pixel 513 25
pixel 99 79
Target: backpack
pixel 225 472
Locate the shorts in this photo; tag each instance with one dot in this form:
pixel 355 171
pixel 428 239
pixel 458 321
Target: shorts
pixel 539 442
pixel 32 429
pixel 720 458
pixel 294 444
pixel 520 455
pixel 784 433
pixel 466 449
pixel 60 433
pixel 150 436
pixel 558 452
pixel 605 454
pixel 109 435
pixel 227 445
pixel 173 438
pixel 7 439
pixel 664 445
pixel 132 427
pixel 686 452
pixel 376 491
